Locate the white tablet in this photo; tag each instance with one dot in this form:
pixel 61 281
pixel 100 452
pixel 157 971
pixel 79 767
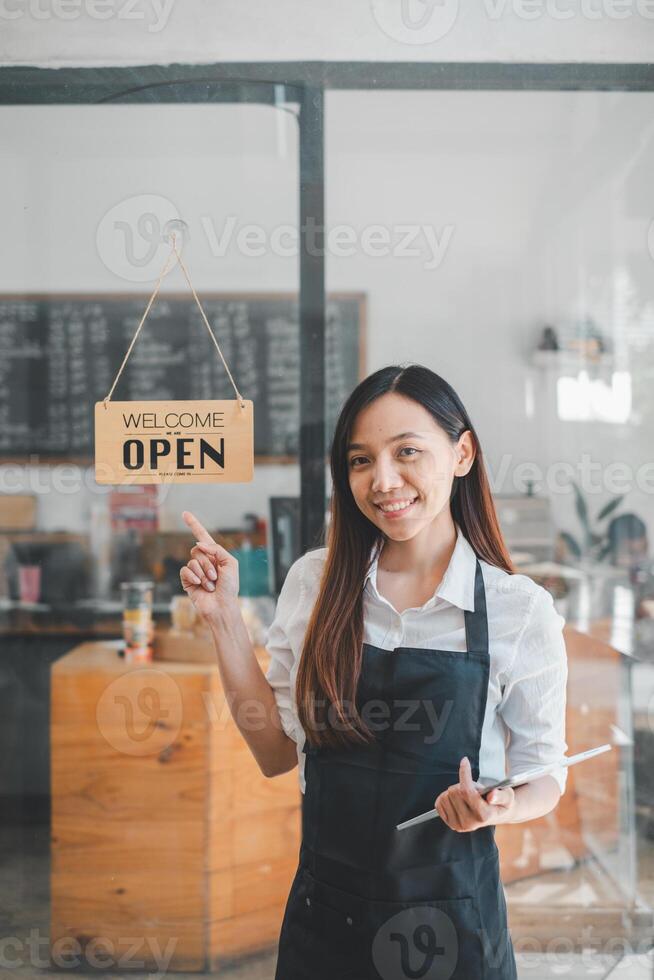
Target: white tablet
pixel 519 780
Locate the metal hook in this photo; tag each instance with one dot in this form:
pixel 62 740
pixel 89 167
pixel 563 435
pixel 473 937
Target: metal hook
pixel 175 233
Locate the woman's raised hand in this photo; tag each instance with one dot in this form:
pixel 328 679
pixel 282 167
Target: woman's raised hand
pixel 210 578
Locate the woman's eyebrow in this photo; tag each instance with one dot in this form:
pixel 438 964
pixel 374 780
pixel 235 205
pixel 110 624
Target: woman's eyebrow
pixel 402 435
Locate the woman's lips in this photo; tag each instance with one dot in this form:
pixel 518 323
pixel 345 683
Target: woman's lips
pixel 391 514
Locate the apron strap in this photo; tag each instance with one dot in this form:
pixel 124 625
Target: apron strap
pixel 477 621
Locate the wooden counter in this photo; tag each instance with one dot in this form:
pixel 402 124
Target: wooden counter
pixel 163 827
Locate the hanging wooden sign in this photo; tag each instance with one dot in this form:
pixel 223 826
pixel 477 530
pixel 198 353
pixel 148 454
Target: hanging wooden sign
pixel 174 442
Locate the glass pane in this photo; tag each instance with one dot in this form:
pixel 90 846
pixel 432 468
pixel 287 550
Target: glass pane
pixel 504 240
pixel 125 778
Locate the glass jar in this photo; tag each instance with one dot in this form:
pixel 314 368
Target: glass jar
pixel 138 627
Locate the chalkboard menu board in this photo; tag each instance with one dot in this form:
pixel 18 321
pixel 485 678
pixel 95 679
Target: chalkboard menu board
pixel 59 354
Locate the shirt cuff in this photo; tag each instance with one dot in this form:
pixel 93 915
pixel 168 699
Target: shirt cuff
pixel 561 776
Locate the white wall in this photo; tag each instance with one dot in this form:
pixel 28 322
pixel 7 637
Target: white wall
pixel 541 202
pixel 547 203
pixel 57 33
pixel 104 165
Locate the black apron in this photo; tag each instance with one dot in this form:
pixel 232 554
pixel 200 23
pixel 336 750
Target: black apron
pixel 369 901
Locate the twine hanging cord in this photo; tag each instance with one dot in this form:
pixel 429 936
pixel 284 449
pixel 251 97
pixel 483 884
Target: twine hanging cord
pixel 164 273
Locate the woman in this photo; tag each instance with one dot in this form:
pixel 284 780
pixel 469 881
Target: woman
pixel 407 659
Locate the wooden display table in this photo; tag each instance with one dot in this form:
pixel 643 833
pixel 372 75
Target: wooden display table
pixel 167 840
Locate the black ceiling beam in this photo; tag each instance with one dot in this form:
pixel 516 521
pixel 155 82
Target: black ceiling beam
pixel 25 85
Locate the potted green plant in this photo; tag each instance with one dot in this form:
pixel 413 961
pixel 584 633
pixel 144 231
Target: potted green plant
pixel 594 545
pixel 592 597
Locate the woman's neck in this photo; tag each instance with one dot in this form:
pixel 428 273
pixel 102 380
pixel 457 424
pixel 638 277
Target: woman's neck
pixel 421 555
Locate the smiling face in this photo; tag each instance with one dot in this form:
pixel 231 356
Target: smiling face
pixel 413 475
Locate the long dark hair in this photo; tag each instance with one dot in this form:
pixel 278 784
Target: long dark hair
pixel 330 664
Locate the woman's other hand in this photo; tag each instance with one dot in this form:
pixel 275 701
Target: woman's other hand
pixel 463 808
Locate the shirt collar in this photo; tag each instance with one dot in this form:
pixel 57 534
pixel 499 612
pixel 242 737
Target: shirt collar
pixel 458 584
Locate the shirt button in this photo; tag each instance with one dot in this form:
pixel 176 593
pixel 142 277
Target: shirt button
pixel 308 901
pixel 349 920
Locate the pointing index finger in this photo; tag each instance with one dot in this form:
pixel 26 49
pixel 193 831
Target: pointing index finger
pixel 199 531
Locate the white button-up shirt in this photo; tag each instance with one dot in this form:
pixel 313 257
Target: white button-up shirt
pixel 524 722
